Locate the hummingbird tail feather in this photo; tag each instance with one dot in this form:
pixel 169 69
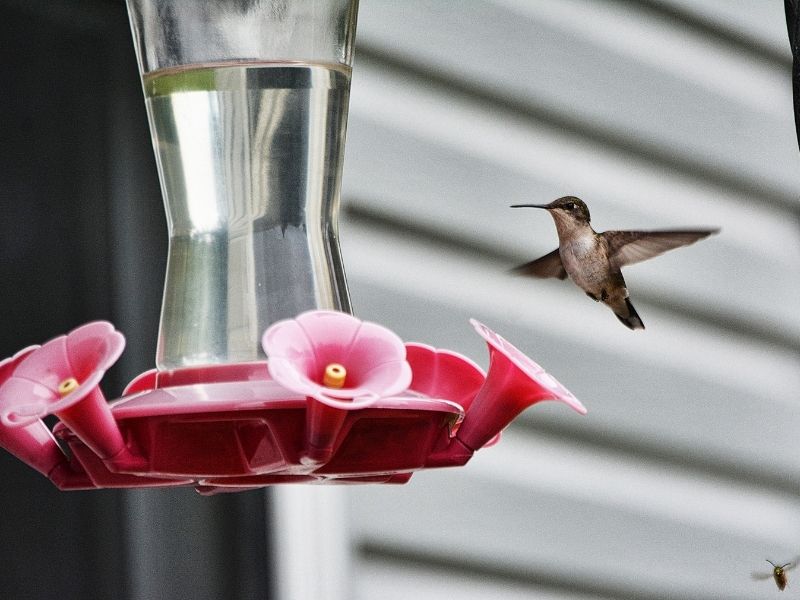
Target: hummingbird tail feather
pixel 630 318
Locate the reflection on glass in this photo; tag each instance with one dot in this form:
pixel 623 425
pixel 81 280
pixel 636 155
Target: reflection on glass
pixel 250 158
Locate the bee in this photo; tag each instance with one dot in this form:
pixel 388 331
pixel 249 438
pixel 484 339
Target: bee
pixel 778 574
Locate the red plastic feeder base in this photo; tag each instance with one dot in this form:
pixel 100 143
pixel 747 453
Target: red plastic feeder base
pixel 341 401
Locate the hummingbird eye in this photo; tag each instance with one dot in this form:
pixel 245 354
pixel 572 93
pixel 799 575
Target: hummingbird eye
pixel 569 205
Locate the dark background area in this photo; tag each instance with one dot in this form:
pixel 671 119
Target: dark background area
pixel 83 237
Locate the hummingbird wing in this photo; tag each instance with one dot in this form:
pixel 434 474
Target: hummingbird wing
pixel 549 265
pixel 629 247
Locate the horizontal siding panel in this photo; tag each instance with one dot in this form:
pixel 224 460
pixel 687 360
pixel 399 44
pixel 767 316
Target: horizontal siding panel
pixel 660 114
pixel 517 527
pixel 760 21
pixel 692 498
pixel 388 580
pixel 608 68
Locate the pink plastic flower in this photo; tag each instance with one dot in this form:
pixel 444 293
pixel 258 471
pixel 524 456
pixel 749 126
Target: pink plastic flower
pixel 301 349
pixel 8 365
pixel 445 374
pixel 549 385
pixel 51 378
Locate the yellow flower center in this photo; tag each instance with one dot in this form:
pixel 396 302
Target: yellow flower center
pixel 335 375
pixel 70 384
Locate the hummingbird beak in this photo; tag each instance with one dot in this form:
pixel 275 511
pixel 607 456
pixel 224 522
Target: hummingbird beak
pixel 544 206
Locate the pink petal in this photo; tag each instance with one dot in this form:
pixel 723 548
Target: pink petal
pixel 8 365
pixel 286 373
pixel 373 345
pixel 287 339
pixel 331 334
pixel 350 402
pixel 385 379
pixel 23 401
pixel 93 347
pixel 424 367
pixel 444 374
pixel 48 365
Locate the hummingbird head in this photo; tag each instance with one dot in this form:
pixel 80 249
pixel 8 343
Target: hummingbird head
pixel 572 207
pixel 567 210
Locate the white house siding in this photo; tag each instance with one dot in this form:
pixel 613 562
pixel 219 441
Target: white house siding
pixel 684 475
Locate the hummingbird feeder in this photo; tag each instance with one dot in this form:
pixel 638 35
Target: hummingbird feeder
pixel 263 377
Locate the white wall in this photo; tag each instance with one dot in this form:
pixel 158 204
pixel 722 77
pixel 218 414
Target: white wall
pixel 684 476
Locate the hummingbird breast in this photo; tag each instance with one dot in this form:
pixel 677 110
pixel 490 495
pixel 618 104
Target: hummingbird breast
pixel 585 260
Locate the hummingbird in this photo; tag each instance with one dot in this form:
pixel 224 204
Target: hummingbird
pixel 593 260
